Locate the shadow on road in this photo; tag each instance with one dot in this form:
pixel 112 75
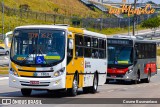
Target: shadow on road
pixel 40 94
pixel 121 82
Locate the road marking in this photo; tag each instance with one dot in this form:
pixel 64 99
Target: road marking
pixel 3 78
pixel 125 88
pixel 110 91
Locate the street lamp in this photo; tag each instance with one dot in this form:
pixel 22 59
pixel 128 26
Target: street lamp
pixel 101 17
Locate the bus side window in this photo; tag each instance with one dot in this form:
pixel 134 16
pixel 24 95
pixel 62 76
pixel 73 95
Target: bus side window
pixel 87 46
pixel 95 53
pixel 102 49
pixel 79 45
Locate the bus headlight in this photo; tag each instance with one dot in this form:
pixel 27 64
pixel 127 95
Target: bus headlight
pixel 130 69
pixel 13 72
pixel 59 72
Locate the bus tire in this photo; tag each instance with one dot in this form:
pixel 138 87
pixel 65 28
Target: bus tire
pixel 94 88
pixel 86 89
pixel 7 52
pixel 73 91
pixel 26 92
pixel 147 80
pixel 107 81
pixel 138 79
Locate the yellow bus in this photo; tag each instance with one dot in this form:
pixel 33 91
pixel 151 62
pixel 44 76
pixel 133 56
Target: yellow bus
pixel 57 57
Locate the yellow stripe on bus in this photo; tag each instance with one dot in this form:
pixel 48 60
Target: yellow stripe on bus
pixel 122 62
pixel 25 73
pixel 52 57
pixel 28 68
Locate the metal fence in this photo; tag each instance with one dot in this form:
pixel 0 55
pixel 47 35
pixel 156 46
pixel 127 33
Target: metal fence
pixel 97 23
pixel 114 22
pixel 55 18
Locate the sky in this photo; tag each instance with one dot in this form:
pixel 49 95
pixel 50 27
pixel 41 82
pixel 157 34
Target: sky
pixel 156 1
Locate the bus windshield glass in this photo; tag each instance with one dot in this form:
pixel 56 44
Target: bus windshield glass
pixel 38 46
pixel 120 55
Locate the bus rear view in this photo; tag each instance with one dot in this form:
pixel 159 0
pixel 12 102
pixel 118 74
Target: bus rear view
pixel 131 59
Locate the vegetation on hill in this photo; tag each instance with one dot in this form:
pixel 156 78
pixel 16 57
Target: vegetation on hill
pixel 65 7
pixel 11 22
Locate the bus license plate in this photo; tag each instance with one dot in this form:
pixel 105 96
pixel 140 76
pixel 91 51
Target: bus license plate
pixel 34 82
pixel 43 74
pixel 113 76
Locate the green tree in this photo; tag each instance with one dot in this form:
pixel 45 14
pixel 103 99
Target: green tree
pixel 152 23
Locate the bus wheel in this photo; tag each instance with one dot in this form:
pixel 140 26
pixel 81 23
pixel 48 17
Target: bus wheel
pixel 147 80
pixel 73 91
pixel 6 53
pixel 26 92
pixel 107 81
pixel 95 84
pixel 137 81
pixel 86 89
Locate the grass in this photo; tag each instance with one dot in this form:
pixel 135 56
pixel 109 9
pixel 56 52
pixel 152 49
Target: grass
pixel 11 22
pixel 3 70
pixel 113 31
pixel 70 7
pixel 65 7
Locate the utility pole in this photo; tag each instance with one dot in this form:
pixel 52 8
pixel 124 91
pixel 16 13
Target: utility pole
pixel 3 19
pixel 134 18
pixel 128 23
pixel 101 17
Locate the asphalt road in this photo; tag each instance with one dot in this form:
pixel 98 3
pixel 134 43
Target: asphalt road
pixel 4 60
pixel 111 90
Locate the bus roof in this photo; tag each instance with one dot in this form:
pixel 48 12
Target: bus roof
pixel 65 27
pixel 41 26
pixel 133 38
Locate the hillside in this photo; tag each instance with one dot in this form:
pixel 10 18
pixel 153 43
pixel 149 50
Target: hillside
pixel 65 7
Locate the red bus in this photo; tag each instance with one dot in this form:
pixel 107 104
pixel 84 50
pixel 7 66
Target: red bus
pixel 131 59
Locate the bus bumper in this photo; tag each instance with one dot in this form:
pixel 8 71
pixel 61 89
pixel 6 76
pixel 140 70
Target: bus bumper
pixel 37 83
pixel 126 77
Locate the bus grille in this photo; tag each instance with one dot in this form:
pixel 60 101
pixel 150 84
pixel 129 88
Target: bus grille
pixel 31 71
pixel 117 75
pixel 35 76
pixel 25 83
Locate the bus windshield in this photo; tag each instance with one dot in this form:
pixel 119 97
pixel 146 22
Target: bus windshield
pixel 38 46
pixel 120 55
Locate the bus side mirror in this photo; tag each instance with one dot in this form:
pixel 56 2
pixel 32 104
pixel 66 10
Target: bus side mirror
pixel 70 43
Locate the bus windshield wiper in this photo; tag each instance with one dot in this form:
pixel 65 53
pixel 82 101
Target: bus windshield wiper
pixel 42 55
pixel 23 61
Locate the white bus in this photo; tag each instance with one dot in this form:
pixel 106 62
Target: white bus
pixel 57 57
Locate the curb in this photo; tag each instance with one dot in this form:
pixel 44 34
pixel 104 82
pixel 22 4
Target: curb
pixel 4 78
